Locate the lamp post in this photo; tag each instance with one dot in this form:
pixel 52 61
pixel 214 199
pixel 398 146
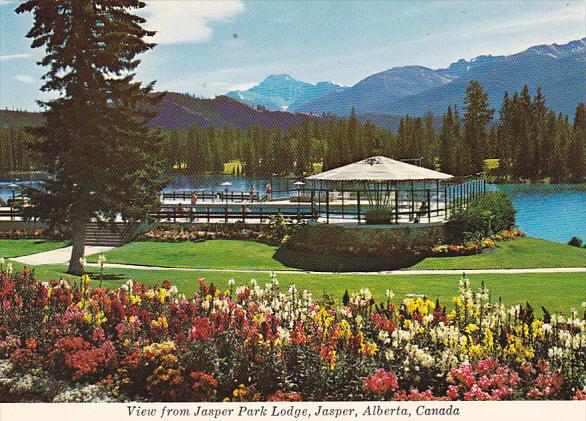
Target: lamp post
pixel 226 185
pixel 299 185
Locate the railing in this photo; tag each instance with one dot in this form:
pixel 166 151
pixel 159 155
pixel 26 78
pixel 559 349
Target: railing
pixel 203 195
pixel 225 214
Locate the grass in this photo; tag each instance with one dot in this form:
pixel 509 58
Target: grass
pixel 22 247
pixel 555 291
pixel 216 254
pixel 234 254
pixel 521 253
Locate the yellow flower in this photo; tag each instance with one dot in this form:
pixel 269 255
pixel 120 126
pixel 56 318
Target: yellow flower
pixel 471 328
pixel 85 280
pixel 161 322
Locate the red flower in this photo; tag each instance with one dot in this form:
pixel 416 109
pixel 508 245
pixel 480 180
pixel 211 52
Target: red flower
pixel 381 383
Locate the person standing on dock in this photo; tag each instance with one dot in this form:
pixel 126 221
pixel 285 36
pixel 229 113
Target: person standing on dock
pixel 269 190
pixel 193 199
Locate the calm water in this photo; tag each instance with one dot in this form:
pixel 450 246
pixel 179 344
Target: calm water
pixel 551 212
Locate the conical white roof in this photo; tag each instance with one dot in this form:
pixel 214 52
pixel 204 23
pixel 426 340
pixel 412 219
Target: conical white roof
pixel 378 169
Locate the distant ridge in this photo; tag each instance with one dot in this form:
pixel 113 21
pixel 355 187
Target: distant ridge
pixel 559 69
pixel 177 111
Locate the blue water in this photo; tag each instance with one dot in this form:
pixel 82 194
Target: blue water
pixel 552 212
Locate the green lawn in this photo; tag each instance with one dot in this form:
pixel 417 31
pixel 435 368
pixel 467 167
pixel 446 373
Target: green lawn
pixel 215 254
pixel 520 253
pixel 232 254
pixel 22 247
pixel 556 291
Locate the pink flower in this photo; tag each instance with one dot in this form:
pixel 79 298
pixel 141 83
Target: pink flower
pixel 381 383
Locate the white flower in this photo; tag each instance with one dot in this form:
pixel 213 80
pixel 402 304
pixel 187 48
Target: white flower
pixel 231 282
pixel 390 294
pixel 82 261
pixel 101 259
pixel 383 336
pixel 9 268
pixel 2 261
pixel 546 327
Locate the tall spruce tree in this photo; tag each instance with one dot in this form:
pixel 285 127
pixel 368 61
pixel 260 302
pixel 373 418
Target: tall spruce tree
pixel 303 151
pixel 477 116
pixel 447 142
pixel 537 136
pixel 577 149
pixel 95 141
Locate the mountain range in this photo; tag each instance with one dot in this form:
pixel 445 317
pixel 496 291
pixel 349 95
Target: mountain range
pixel 280 92
pixel 177 111
pixel 560 70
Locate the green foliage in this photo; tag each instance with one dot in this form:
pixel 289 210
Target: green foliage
pixel 379 216
pixel 575 242
pixel 485 216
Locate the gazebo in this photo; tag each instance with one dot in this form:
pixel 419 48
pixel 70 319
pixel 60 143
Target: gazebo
pixel 380 190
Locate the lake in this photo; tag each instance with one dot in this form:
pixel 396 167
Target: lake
pixel 552 212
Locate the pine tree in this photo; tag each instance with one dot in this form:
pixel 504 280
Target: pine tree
pixel 477 116
pixel 577 149
pixel 447 142
pixel 303 151
pixel 354 143
pixel 95 141
pixel 537 133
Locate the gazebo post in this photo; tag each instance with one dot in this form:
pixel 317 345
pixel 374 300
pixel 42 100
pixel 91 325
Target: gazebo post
pixel 396 205
pixel 342 191
pixel 445 201
pixel 328 206
pixel 429 206
pixel 358 204
pixel 412 216
pixel 437 198
pixel 312 199
pixel 319 199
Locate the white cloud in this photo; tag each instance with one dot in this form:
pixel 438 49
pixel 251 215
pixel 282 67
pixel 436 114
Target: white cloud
pixel 25 79
pixel 9 57
pixel 529 22
pixel 188 21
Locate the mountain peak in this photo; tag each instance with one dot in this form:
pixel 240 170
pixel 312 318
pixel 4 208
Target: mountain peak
pixel 279 91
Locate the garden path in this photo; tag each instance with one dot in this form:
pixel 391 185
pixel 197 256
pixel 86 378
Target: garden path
pixel 386 272
pixel 57 256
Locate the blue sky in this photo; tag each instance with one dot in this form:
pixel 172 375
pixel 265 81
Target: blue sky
pixel 210 47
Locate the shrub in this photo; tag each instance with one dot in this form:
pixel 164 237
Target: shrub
pixel 575 242
pixel 379 216
pixel 485 216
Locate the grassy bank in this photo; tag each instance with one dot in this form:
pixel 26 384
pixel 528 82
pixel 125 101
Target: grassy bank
pixel 233 254
pixel 556 291
pixel 22 247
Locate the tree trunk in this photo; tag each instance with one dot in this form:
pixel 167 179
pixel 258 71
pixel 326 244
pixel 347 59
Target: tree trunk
pixel 78 243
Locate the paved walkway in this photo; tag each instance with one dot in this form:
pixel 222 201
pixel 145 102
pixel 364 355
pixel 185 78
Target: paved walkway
pixel 57 256
pixel 386 272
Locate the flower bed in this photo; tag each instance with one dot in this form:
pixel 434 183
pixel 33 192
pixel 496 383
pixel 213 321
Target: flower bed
pixel 272 233
pixel 20 233
pixel 476 246
pixel 71 342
